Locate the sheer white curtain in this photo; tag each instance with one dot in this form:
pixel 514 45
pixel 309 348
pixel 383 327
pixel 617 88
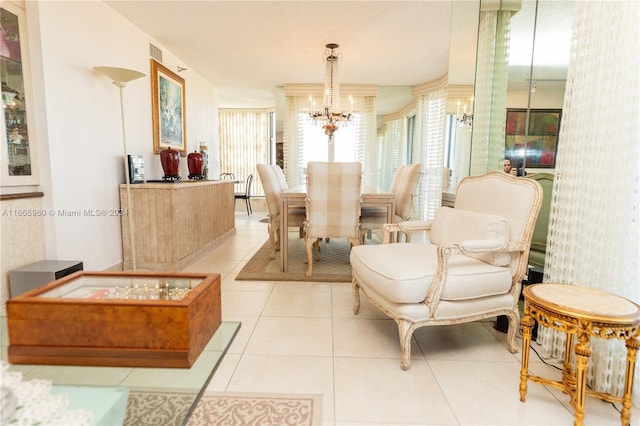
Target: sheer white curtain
pixel 244 142
pixel 392 151
pixel 367 146
pixel 594 236
pixel 428 147
pixel 293 138
pixel 490 113
pixel 461 153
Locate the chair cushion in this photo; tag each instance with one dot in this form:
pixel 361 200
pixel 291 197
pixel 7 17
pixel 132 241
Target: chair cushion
pixel 451 226
pixel 403 273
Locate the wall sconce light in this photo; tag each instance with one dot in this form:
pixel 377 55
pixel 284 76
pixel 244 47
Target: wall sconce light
pixel 464 116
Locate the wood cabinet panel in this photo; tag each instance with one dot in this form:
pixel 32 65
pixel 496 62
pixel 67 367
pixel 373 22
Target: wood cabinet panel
pixel 176 223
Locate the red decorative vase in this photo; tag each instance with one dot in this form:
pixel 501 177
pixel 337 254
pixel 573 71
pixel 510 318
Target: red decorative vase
pixel 170 159
pixel 195 161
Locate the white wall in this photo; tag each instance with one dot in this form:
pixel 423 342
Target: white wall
pixel 542 99
pixel 82 157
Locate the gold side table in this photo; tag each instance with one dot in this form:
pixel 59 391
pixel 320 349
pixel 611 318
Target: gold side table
pixel 581 312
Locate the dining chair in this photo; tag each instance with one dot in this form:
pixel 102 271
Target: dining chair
pixel 227 175
pixel 274 183
pixel 471 268
pixel 405 182
pixel 246 195
pixel 333 205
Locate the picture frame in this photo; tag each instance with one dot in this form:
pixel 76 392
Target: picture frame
pixel 540 139
pixel 169 114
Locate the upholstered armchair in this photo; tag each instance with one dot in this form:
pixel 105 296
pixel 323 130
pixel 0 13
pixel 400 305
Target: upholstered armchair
pixel 273 183
pixel 471 269
pixel 405 182
pixel 333 205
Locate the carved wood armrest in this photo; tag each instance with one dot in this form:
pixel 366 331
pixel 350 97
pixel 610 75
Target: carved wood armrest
pixel 388 231
pixel 435 290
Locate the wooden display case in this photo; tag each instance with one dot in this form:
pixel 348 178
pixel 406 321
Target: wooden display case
pixel 123 319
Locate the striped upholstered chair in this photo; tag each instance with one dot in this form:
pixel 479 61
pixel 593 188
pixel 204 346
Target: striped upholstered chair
pixel 333 205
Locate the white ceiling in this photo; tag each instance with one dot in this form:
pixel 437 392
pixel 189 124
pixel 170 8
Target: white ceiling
pixel 250 49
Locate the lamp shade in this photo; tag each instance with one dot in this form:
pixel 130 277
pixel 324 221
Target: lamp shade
pixel 119 75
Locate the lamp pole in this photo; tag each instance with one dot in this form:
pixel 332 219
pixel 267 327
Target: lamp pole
pixel 120 77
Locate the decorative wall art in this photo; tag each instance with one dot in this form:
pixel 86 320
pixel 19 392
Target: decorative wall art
pixel 168 109
pixel 541 139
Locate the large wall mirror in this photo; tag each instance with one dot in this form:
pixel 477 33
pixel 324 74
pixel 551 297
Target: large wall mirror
pixel 538 62
pixel 519 90
pixel 460 101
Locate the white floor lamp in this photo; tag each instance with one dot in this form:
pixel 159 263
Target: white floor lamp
pixel 120 77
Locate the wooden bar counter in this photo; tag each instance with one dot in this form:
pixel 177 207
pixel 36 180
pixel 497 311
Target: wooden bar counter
pixel 176 223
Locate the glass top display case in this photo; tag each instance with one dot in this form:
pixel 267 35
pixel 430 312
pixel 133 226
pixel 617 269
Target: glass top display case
pixel 133 319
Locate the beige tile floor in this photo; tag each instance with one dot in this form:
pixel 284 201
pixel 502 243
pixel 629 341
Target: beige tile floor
pixel 303 338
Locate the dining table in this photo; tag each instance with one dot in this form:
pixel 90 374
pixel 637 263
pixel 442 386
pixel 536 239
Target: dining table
pixel 296 198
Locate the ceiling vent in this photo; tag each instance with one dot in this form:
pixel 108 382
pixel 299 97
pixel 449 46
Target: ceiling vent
pixel 155 52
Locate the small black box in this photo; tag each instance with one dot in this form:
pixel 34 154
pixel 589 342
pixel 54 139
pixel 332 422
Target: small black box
pixel 37 274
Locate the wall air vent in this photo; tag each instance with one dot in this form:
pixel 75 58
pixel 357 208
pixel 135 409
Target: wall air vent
pixel 155 52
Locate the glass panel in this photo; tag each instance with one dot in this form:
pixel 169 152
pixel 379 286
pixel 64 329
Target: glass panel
pixel 13 97
pixel 129 288
pixel 539 39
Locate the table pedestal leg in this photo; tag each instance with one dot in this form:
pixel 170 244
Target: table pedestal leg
pixel 568 377
pixel 527 326
pixel 583 351
pixel 632 350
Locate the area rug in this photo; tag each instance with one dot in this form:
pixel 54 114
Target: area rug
pixel 224 408
pixel 333 266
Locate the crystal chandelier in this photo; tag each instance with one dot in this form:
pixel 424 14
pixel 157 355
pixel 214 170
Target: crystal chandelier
pixel 330 118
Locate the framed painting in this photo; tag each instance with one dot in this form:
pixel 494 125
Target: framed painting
pixel 168 109
pixel 535 145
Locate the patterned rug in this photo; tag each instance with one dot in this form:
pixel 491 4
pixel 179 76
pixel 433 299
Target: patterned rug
pixel 157 408
pixel 333 265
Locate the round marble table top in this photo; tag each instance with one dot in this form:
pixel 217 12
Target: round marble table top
pixel 583 302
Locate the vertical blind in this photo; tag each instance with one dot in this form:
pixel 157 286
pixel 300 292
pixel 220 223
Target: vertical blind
pixel 244 142
pixel 393 145
pixel 429 148
pixel 490 111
